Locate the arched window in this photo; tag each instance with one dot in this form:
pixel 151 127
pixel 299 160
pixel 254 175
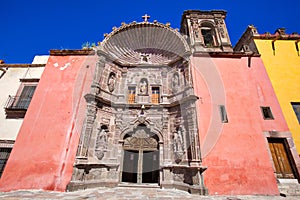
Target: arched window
pixel 209 35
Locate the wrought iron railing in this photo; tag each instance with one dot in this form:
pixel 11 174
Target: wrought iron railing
pixel 17 102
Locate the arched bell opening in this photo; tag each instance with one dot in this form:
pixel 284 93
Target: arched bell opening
pixel 140 156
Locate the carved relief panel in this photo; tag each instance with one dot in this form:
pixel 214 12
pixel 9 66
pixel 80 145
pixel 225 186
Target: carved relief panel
pixel 222 30
pixel 143 85
pixel 110 79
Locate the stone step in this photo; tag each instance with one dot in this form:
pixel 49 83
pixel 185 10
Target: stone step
pixel 289 189
pixel 125 193
pixel 143 185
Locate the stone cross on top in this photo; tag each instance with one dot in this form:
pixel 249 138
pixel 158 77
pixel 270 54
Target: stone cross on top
pixel 146 17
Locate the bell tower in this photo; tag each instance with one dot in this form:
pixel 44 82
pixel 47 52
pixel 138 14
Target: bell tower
pixel 206 30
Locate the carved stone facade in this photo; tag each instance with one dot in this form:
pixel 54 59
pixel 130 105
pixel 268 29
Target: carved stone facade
pixel 141 120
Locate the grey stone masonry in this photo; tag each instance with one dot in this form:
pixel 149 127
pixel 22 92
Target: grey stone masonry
pixel 128 193
pixel 289 189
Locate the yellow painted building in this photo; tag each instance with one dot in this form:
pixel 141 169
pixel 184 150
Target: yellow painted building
pixel 281 57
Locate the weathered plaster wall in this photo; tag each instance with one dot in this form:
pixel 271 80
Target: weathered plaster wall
pixel 236 153
pixel 45 149
pixel 283 68
pixel 9 85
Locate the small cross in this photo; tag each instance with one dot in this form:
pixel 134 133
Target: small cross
pixel 146 17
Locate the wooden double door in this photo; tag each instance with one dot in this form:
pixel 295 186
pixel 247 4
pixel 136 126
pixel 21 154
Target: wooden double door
pixel 140 166
pixel 282 158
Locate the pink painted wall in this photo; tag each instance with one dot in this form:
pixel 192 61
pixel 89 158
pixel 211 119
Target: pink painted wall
pixel 236 153
pixel 46 145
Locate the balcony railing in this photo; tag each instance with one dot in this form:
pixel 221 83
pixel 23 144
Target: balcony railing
pixel 16 106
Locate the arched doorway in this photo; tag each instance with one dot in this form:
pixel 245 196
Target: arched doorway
pixel 141 157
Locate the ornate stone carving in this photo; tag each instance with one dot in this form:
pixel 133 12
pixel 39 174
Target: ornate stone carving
pixel 141 133
pixel 101 143
pixel 195 28
pixel 111 82
pixel 92 110
pixel 86 137
pixel 140 140
pixel 178 143
pixel 175 82
pixel 158 122
pixel 78 174
pixel 143 88
pixel 220 25
pixel 163 130
pixel 178 174
pixel 142 119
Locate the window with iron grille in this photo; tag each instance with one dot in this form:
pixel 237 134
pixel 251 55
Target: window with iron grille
pixel 16 106
pixel 4 155
pixel 26 95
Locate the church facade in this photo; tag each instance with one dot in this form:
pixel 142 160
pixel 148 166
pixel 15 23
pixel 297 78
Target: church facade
pixel 152 106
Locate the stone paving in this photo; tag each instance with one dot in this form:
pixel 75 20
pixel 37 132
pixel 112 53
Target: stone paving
pixel 123 193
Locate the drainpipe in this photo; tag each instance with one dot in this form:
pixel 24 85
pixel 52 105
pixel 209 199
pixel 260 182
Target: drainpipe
pixel 297 47
pixel 273 45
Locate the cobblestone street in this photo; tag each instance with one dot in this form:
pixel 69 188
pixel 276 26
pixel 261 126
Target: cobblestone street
pixel 124 193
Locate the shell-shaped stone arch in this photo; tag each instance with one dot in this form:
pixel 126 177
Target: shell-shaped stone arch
pixel 131 43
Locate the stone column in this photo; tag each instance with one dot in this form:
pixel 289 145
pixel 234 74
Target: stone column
pixel 90 119
pixel 194 143
pixel 91 110
pixel 95 87
pixel 166 134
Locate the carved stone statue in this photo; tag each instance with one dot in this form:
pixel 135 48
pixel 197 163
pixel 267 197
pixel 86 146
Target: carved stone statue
pixel 143 87
pixel 178 144
pixel 175 82
pixel 101 143
pixel 111 82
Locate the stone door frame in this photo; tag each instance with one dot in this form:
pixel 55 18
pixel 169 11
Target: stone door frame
pixel 126 135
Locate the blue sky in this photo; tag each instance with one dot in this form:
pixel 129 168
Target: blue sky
pixel 33 27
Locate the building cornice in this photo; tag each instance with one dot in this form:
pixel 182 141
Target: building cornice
pixel 73 52
pixel 267 36
pixel 226 54
pixel 21 65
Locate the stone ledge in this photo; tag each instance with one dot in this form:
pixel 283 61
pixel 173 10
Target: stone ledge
pixel 74 52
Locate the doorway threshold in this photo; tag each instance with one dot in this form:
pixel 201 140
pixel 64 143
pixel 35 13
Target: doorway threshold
pixel 138 185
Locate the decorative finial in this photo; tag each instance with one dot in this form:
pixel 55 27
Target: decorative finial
pixel 168 24
pixel 105 34
pixel 146 17
pixel 123 23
